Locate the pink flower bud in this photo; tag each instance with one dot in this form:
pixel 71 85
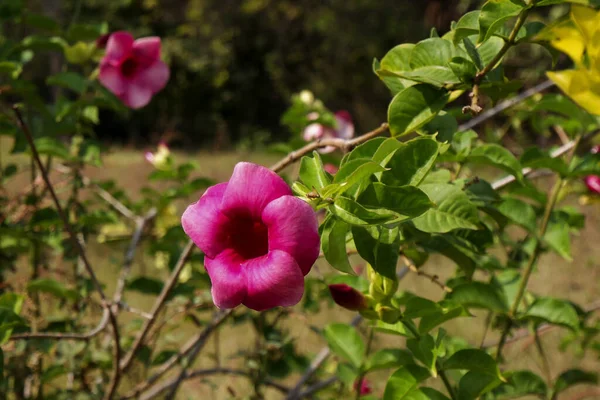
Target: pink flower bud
pixel 332 169
pixel 593 183
pixel 347 297
pixel 364 388
pixel 595 149
pixel 102 40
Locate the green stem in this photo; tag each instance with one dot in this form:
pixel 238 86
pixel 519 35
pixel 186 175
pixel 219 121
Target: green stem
pixel 441 372
pixel 536 253
pixel 361 376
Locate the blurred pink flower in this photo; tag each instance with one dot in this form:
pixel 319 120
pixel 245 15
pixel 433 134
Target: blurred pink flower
pixel 595 149
pixel 365 387
pixel 132 69
pixel 332 169
pixel 344 129
pixel 593 183
pixel 259 241
pixel 161 159
pixel 347 297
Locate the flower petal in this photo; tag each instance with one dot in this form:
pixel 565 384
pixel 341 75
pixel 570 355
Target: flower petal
pixel 250 189
pixel 153 77
pixel 345 127
pixel 118 47
pixel 273 280
pixel 136 95
pixel 293 228
pixel 313 131
pixel 147 50
pixel 112 79
pixel 228 279
pixel 205 224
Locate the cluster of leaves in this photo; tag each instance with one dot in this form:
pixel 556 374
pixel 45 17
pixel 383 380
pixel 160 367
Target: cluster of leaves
pixel 394 201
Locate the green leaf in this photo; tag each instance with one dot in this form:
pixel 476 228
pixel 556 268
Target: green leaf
pixel 351 173
pixel 519 212
pixel 520 384
pixel 496 156
pixel 333 244
pixel 473 360
pixel 11 68
pixel 464 69
pixel 413 107
pixel 397 328
pixel 364 150
pixel 558 239
pixel 447 313
pixel 453 211
pixel 411 162
pixel 535 158
pixel 479 295
pixel 52 147
pixel 52 287
pixel 312 173
pixel 404 200
pixel 404 384
pixel 12 301
pixel 163 357
pixel 472 52
pixel 473 384
pixel 345 342
pixel 379 247
pixel 554 311
pixel 43 43
pixel 388 358
pixel 574 377
pixel 467 25
pixel 425 350
pixel 8 321
pixel 69 80
pixel 397 59
pixel 353 213
pixel 434 75
pixel 431 52
pixel 444 124
pixel 494 14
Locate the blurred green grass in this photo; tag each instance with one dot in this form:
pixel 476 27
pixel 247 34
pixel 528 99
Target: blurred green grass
pixel 578 281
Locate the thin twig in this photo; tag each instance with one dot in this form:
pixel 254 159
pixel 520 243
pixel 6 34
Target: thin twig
pixel 197 341
pixel 66 336
pixel 82 255
pixel 219 316
pixel 158 304
pixel 342 144
pixel 316 363
pixel 318 386
pixel 434 278
pixel 205 372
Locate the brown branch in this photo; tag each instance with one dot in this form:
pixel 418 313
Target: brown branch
pixel 434 278
pixel 342 144
pixel 126 361
pixel 211 371
pixel 197 341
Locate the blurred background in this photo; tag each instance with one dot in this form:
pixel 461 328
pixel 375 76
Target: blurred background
pixel 235 63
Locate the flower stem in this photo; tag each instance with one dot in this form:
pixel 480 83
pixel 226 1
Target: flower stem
pixel 552 200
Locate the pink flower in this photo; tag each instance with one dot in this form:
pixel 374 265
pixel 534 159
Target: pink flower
pixel 259 241
pixel 132 70
pixel 595 149
pixel 347 297
pixel 332 169
pixel 344 129
pixel 365 387
pixel 593 183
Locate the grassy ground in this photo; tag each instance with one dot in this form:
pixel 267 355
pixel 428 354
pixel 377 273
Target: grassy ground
pixel 578 281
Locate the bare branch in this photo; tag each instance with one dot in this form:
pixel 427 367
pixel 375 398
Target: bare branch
pixel 434 278
pixel 196 342
pixel 342 144
pixel 66 336
pixel 206 372
pixel 158 304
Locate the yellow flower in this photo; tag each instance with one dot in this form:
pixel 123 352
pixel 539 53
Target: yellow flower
pixel 579 38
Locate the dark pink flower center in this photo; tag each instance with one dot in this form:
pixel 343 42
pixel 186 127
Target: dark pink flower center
pixel 129 67
pixel 249 238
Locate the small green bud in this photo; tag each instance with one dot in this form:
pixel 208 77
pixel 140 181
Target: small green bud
pixel 388 314
pixel 381 287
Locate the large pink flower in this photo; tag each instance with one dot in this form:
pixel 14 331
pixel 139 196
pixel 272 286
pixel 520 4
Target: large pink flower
pixel 132 69
pixel 344 129
pixel 259 241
